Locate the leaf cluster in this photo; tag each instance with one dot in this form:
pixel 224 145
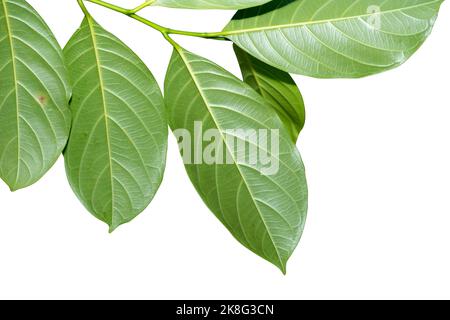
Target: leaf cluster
pixel 96 102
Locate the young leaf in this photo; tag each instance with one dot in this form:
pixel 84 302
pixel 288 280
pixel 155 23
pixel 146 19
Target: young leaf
pixel 116 153
pixel 265 212
pixel 34 95
pixel 210 4
pixel 277 88
pixel 334 38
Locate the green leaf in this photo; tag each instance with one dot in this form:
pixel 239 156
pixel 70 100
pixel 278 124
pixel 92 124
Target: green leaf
pixel 116 153
pixel 265 211
pixel 34 95
pixel 210 4
pixel 277 88
pixel 334 38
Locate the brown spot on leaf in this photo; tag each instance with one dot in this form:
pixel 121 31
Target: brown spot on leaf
pixel 42 100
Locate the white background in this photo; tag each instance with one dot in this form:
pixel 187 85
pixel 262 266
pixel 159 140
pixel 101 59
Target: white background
pixel 378 163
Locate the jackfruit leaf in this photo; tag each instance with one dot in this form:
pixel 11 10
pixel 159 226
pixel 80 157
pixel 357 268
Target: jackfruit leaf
pixel 116 153
pixel 210 4
pixel 34 96
pixel 334 38
pixel 277 88
pixel 263 203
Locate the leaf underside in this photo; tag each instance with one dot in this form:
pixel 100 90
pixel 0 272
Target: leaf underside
pixel 266 213
pixel 116 153
pixel 210 4
pixel 277 88
pixel 334 38
pixel 34 95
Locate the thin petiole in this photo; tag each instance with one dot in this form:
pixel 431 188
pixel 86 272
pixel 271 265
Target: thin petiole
pixel 108 6
pixel 83 8
pixel 142 6
pixel 165 31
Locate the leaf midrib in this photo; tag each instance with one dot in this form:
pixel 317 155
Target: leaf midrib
pixel 13 62
pixel 105 109
pixel 307 23
pixel 205 100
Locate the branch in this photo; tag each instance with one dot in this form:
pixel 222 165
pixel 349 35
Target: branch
pixel 165 31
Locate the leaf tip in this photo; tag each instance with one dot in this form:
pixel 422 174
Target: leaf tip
pixel 112 228
pixel 283 269
pixel 280 264
pixel 115 224
pixel 14 187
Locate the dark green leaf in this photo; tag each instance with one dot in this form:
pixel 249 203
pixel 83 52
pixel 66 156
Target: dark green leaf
pixel 277 88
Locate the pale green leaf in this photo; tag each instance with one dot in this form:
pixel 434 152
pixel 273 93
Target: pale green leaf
pixel 116 153
pixel 210 4
pixel 34 95
pixel 277 88
pixel 265 212
pixel 334 38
